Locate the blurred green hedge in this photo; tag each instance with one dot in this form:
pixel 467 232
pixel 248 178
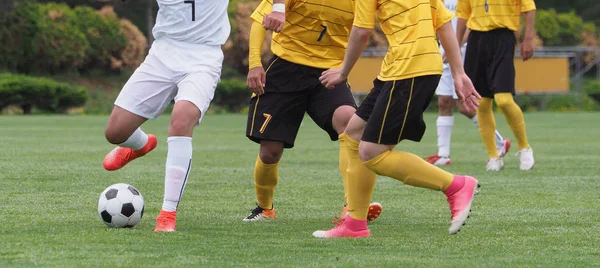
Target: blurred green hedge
pixel 42 93
pixel 561 29
pixel 51 38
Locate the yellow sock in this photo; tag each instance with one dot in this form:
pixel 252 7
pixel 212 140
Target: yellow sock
pixel 265 180
pixel 361 182
pixel 344 164
pixel 487 126
pixel 514 117
pixel 411 170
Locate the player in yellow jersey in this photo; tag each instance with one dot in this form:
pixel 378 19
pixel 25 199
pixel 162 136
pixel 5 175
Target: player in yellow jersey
pixel 313 39
pixel 489 63
pixel 393 110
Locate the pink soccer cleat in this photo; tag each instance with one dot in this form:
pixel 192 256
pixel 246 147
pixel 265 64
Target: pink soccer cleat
pixel 343 229
pixel 460 202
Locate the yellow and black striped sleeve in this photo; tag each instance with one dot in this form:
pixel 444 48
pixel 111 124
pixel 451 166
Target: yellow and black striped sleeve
pixel 364 16
pixel 463 9
pixel 441 15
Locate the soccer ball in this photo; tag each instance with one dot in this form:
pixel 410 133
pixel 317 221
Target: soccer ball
pixel 121 205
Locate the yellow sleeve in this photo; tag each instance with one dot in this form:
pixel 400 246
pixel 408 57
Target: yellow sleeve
pixel 256 41
pixel 364 15
pixel 463 9
pixel 262 10
pixel 527 5
pixel 442 14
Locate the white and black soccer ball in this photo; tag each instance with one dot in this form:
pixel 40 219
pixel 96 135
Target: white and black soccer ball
pixel 121 205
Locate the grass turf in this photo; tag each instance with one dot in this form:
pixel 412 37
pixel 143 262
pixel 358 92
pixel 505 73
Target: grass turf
pixel 51 177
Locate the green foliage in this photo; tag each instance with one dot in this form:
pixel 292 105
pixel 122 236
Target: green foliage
pixel 591 86
pixel 49 38
pixel 103 34
pixel 232 94
pixel 560 29
pixel 42 93
pixel 547 26
pixel 556 103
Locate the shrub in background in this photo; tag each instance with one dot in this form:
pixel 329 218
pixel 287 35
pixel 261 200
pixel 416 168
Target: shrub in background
pixel 42 93
pixel 232 95
pixel 53 38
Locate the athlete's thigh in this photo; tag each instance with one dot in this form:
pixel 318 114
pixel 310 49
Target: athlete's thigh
pixel 446 84
pixel 398 111
pixel 149 90
pixel 366 107
pixel 501 73
pixel 323 102
pixel 276 116
pixel 199 88
pixel 476 64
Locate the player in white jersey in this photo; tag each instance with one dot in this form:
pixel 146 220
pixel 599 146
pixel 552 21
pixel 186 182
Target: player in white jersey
pixel 446 100
pixel 183 65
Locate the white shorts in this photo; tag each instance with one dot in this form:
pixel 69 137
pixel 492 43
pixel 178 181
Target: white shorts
pixel 446 85
pixel 172 71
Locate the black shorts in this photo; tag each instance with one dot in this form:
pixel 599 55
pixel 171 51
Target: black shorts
pixel 394 109
pixel 489 61
pixel 292 90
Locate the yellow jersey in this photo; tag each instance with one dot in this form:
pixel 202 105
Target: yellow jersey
pixel 410 28
pixel 316 32
pixel 487 15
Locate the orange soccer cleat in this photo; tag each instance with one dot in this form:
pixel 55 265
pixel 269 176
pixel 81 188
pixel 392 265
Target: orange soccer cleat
pixel 120 156
pixel 165 222
pixel 374 211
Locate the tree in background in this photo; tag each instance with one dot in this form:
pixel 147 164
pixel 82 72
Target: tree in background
pixel 589 10
pixel 6 5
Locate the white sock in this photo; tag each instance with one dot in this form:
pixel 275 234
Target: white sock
pixel 444 129
pixel 179 160
pixel 499 137
pixel 136 141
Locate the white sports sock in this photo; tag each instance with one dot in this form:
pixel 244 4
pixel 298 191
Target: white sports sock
pixel 474 119
pixel 444 129
pixel 499 137
pixel 179 160
pixel 136 141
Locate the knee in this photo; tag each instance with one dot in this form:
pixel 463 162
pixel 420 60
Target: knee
pixel 445 104
pixel 504 100
pixel 181 127
pixel 367 152
pixel 271 153
pixel 341 117
pixel 114 135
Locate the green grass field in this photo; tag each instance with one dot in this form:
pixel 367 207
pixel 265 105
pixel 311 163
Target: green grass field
pixel 51 177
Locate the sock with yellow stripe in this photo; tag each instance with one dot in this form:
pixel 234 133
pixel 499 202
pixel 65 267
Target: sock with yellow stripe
pixel 514 117
pixel 487 126
pixel 343 162
pixel 410 169
pixel 265 180
pixel 360 181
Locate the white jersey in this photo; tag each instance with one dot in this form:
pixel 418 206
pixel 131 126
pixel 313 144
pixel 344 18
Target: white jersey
pixel 451 5
pixel 193 21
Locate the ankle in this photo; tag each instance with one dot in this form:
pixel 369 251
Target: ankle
pixel 457 183
pixel 354 224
